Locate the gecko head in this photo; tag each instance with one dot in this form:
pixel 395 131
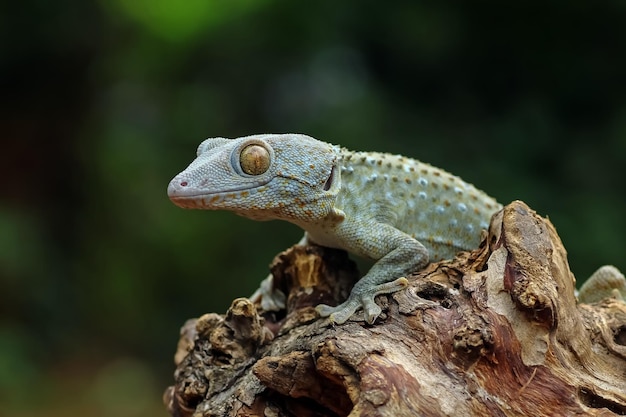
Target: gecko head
pixel 284 176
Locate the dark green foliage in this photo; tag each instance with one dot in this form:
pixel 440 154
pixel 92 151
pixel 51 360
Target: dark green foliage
pixel 103 102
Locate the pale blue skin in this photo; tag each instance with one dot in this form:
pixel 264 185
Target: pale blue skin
pixel 397 211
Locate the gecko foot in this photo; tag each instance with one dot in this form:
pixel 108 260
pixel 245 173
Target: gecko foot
pixel 271 299
pixel 358 298
pixel 606 282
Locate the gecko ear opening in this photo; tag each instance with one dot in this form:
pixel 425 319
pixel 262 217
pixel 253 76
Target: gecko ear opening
pixel 329 182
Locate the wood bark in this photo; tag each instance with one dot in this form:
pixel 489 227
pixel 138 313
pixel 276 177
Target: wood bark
pixel 494 332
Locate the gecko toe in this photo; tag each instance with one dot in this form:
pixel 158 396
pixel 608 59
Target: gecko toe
pixel 324 310
pixel 361 298
pixel 370 309
pixel 341 313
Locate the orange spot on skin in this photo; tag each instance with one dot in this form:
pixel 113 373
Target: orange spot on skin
pixel 446 203
pixel 312 166
pixel 407 180
pixel 476 211
pixel 214 199
pixel 245 193
pixel 436 173
pixel 424 171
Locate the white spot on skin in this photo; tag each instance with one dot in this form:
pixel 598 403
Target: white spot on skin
pixel 484 225
pixel 422 195
pixel 462 207
pixel 458 191
pixel 454 222
pixel 440 209
pixel 469 228
pixel 423 182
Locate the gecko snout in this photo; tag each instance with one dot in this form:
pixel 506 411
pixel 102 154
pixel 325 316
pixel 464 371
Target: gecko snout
pixel 176 187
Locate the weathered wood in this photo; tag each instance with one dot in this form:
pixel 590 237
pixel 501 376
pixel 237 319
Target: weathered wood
pixel 494 332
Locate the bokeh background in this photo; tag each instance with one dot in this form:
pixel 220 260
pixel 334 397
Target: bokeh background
pixel 104 102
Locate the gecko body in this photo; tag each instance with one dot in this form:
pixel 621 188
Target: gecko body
pixel 397 211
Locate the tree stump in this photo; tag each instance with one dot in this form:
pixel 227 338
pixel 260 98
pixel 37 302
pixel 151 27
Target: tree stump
pixel 494 332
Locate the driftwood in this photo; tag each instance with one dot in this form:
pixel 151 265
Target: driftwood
pixel 493 332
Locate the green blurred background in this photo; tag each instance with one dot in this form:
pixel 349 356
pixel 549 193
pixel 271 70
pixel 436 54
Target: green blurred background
pixel 104 102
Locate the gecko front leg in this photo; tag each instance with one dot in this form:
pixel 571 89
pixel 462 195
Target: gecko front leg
pixel 398 254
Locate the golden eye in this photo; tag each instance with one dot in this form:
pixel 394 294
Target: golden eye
pixel 254 160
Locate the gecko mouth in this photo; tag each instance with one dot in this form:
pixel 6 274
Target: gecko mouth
pixel 210 201
pixel 196 202
pixel 178 189
pixel 184 194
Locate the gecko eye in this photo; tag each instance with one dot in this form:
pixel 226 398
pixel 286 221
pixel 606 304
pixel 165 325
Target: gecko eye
pixel 254 160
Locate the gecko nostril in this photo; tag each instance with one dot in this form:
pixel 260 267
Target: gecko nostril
pixel 184 183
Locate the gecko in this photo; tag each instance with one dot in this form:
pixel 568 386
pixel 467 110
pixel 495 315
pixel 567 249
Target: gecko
pixel 397 211
pixel 606 282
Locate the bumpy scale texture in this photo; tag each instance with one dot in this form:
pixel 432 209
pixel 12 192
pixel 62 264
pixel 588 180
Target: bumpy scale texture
pixel 395 210
pixel 606 282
